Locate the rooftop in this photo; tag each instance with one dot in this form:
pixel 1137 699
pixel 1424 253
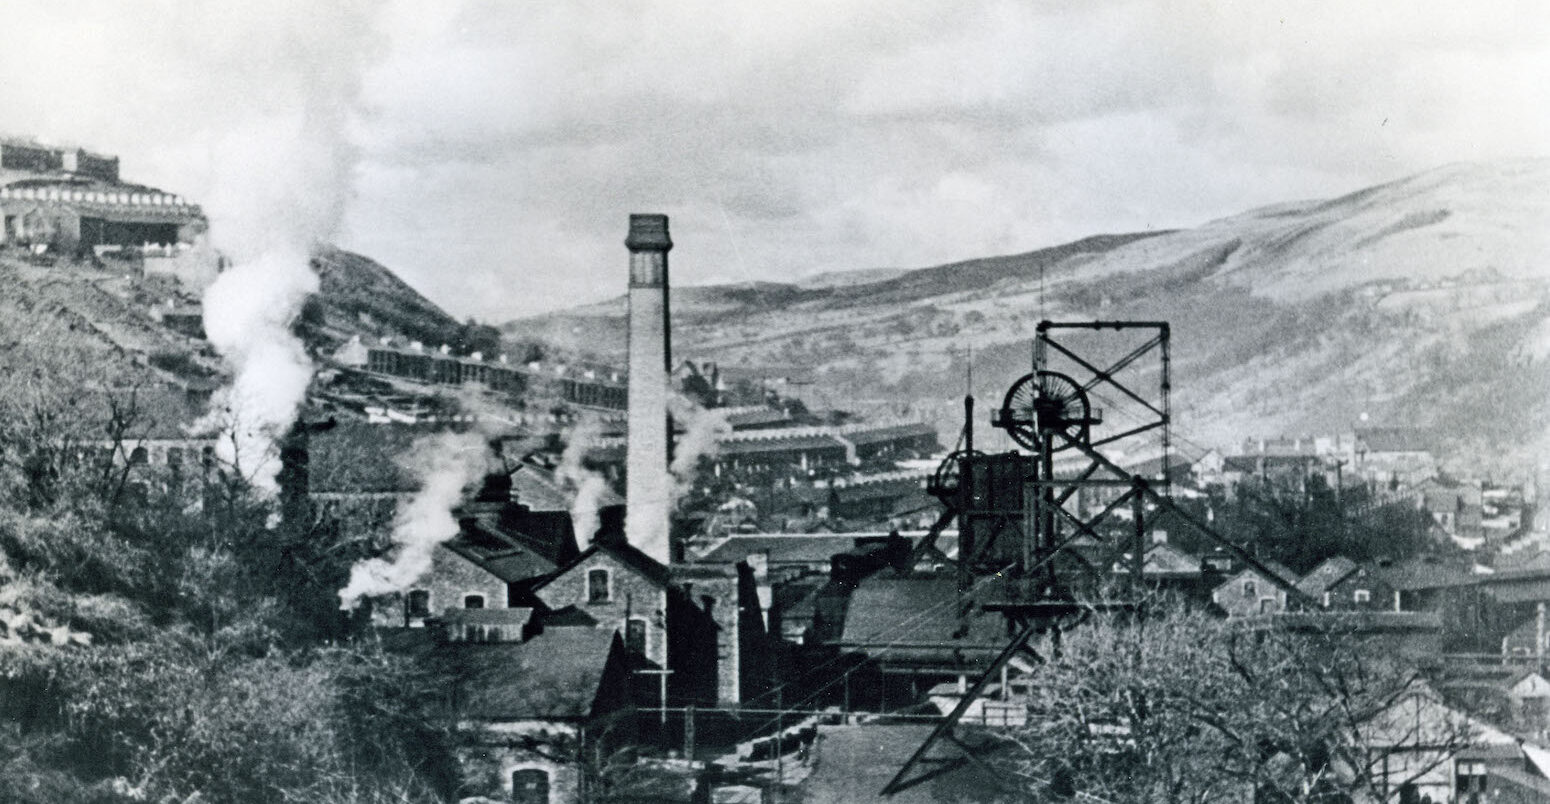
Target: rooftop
pixel 554 676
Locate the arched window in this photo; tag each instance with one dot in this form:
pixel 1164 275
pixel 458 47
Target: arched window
pixel 530 786
pixel 418 603
pixel 597 586
pixel 139 455
pixel 473 601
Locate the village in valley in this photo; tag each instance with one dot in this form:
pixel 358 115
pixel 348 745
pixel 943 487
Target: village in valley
pixel 818 403
pixel 676 580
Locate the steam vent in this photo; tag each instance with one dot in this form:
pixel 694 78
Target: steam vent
pixel 647 481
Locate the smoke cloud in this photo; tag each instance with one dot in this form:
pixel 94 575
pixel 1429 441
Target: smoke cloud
pixel 589 486
pixel 702 426
pixel 446 464
pixel 278 179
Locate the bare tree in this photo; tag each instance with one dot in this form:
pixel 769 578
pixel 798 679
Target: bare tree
pixel 1179 706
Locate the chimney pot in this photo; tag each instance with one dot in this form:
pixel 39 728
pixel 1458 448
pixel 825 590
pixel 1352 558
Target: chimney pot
pixel 648 232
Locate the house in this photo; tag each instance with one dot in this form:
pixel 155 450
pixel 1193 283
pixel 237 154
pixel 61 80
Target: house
pixel 702 624
pixel 1363 588
pixel 1456 507
pixel 1430 750
pixel 1394 455
pixel 536 719
pixel 477 569
pixel 621 588
pixel 1249 591
pixel 1316 583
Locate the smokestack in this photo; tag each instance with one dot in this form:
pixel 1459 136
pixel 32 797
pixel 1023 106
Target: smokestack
pixel 647 491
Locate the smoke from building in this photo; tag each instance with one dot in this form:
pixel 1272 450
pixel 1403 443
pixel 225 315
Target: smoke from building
pixel 445 464
pixel 588 485
pixel 702 426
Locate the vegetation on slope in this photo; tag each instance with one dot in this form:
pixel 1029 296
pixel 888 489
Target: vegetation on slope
pixel 160 638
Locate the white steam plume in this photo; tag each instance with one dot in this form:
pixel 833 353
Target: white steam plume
pixel 702 427
pixel 446 463
pixel 279 183
pixel 589 485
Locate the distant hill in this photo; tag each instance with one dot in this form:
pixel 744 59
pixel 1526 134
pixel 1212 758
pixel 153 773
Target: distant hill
pixel 1425 301
pixel 358 295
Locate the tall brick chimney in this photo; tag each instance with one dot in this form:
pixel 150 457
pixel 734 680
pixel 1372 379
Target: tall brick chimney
pixel 648 485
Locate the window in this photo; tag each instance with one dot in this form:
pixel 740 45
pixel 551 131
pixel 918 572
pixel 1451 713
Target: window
pixel 635 635
pixel 1361 596
pixel 1326 600
pixel 597 586
pixel 1470 777
pixel 530 786
pixel 1248 589
pixel 140 456
pixel 473 601
pixel 174 456
pixel 419 603
pixel 1267 605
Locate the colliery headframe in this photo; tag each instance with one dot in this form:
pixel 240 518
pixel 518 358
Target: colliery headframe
pixel 1036 543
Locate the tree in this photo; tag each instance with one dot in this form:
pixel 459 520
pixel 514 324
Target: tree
pixel 1178 706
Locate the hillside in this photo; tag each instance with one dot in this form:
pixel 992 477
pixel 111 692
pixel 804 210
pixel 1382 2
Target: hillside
pixel 108 319
pixel 1424 301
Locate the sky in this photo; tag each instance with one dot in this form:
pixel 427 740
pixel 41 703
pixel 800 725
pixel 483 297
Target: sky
pixel 490 152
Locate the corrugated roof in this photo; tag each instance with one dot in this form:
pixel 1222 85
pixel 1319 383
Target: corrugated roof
pixel 556 675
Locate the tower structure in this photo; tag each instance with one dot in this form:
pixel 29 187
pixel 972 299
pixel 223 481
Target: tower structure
pixel 648 485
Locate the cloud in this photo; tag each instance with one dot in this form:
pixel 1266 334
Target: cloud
pixel 503 145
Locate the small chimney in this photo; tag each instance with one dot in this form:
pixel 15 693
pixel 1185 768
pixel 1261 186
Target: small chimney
pixel 648 485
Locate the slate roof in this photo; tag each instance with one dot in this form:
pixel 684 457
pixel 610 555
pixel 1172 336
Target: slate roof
pixel 1424 572
pixel 500 555
pixel 627 554
pixel 1328 573
pixel 915 619
pixel 787 548
pixel 556 675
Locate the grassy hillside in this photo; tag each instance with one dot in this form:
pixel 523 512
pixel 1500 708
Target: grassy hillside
pixel 1423 301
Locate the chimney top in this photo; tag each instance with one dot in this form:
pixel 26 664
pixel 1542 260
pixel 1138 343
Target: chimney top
pixel 648 233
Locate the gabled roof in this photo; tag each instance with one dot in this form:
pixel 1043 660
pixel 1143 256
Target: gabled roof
pixel 1331 571
pixel 626 554
pixel 1167 558
pixel 556 675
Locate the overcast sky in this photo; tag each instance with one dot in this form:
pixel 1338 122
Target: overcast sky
pixel 490 152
